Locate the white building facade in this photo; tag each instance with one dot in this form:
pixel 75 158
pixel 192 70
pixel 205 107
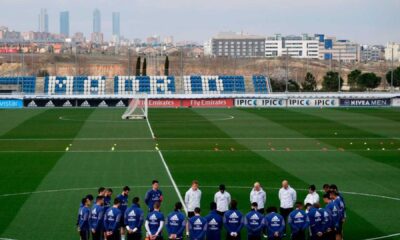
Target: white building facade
pixel 392 49
pixel 295 46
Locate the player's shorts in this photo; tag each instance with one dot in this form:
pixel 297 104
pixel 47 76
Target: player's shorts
pixel 122 222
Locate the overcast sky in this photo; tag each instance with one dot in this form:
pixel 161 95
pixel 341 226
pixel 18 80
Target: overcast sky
pixel 364 21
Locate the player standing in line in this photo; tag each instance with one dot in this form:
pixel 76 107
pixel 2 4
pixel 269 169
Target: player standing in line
pixel 334 211
pixel 123 205
pixel 81 205
pixel 222 198
pixel 312 196
pixel 258 195
pixel 153 195
pixel 193 198
pixel 254 223
pixel 96 218
pixel 176 223
pixel 84 225
pixel 274 224
pixel 112 219
pixel 154 223
pixel 317 226
pixel 134 220
pixel 197 226
pixel 287 197
pixel 233 222
pixel 214 223
pixel 298 222
pixel 334 195
pixel 107 198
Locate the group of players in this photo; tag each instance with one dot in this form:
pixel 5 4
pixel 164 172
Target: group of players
pixel 114 220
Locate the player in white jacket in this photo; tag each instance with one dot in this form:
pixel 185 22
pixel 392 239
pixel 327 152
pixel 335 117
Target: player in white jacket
pixel 193 198
pixel 258 195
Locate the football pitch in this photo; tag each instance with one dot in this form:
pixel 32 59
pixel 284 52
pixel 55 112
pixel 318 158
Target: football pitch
pixel 51 158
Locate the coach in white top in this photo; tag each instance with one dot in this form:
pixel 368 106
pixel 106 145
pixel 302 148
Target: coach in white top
pixel 259 196
pixel 287 196
pixel 193 198
pixel 312 196
pixel 222 198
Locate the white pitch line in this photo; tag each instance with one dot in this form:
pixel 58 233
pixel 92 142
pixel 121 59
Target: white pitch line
pixel 198 150
pixel 172 186
pixel 384 237
pixel 201 138
pixel 167 169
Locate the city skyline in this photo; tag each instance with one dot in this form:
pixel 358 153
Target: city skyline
pixel 367 21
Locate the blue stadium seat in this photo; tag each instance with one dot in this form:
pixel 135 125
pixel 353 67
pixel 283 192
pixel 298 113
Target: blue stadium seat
pixel 27 84
pixel 87 85
pixel 214 84
pixel 261 84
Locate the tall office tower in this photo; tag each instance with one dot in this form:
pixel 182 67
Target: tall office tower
pixel 116 24
pixel 43 21
pixel 96 21
pixel 64 23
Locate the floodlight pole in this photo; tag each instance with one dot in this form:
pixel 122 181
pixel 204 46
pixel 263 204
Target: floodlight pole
pixel 392 73
pixel 287 70
pixel 340 68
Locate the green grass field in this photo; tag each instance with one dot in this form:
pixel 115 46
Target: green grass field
pixel 41 183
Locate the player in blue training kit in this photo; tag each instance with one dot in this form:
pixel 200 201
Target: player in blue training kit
pixel 176 223
pixel 274 224
pixel 197 226
pixel 333 209
pixel 90 198
pixel 254 223
pixel 83 224
pixel 335 197
pixel 134 219
pixel 153 195
pixel 155 223
pixel 214 223
pixel 112 219
pixel 107 198
pixel 317 225
pixel 96 219
pixel 298 222
pixel 233 222
pixel 123 205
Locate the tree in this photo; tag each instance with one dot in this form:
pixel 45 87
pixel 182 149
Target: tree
pixel 138 63
pixel 368 80
pixel 330 82
pixel 278 86
pixel 293 86
pixel 309 84
pixel 352 78
pixel 166 66
pixel 396 77
pixel 144 69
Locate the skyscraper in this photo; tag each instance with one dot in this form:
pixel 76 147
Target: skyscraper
pixel 43 21
pixel 96 21
pixel 64 23
pixel 116 24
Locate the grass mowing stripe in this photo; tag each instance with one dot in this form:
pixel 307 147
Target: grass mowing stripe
pixel 314 125
pixel 25 171
pixel 233 168
pixel 384 113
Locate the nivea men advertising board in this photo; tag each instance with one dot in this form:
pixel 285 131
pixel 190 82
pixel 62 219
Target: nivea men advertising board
pixel 313 102
pixel 377 102
pixel 260 103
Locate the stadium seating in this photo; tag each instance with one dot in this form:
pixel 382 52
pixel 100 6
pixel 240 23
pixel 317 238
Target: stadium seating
pixel 213 84
pixel 261 84
pixel 144 84
pixel 88 85
pixel 26 84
